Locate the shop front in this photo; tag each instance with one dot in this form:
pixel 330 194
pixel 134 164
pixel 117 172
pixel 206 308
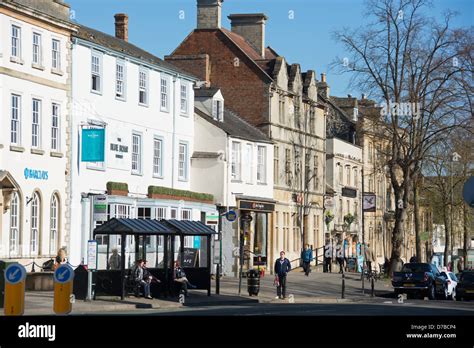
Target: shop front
pixel 255 214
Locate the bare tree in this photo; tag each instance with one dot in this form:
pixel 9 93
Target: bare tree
pixel 410 63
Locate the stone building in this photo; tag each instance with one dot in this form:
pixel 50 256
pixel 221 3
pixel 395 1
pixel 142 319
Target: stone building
pixel 277 98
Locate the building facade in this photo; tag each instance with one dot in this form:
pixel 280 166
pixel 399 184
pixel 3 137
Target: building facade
pixel 277 98
pixel 142 111
pixel 35 73
pixel 234 162
pixel 344 193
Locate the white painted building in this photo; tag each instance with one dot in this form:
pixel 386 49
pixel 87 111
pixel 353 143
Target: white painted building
pixel 232 160
pixel 34 99
pixel 145 107
pixel 344 188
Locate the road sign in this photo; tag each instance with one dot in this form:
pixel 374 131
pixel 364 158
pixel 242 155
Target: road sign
pixel 63 280
pixel 15 276
pixel 231 216
pixel 92 255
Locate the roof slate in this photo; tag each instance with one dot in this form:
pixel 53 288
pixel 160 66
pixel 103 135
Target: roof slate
pixel 235 126
pixel 119 45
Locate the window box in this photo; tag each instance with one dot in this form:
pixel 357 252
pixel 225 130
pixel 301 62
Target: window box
pixel 117 188
pixel 160 192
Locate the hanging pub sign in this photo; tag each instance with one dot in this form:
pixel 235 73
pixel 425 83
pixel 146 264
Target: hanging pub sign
pixel 368 203
pixel 349 192
pixel 93 144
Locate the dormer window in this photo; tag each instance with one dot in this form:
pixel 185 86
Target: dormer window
pixel 218 110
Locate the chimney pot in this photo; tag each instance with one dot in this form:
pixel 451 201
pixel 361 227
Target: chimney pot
pixel 323 77
pixel 121 26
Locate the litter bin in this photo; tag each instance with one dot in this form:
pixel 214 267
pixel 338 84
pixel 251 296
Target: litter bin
pixel 3 266
pixel 253 282
pixel 80 283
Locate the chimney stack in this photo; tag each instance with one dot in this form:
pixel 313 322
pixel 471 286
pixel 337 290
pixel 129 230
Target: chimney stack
pixel 252 28
pixel 323 77
pixel 209 14
pixel 323 87
pixel 121 26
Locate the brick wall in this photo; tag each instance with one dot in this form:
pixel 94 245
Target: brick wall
pixel 243 88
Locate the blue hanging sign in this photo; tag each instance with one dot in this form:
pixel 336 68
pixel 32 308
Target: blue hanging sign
pixel 93 145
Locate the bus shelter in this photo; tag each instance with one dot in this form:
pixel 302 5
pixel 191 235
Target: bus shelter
pixel 163 241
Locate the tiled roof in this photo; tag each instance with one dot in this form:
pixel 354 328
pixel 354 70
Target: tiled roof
pixel 248 49
pixel 235 126
pixel 122 46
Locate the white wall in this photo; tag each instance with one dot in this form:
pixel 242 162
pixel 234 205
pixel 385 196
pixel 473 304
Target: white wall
pixel 122 118
pixel 29 83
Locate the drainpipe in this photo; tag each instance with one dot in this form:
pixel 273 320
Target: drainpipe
pixel 173 150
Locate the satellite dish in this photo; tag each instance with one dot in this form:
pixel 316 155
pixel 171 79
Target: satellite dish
pixel 468 192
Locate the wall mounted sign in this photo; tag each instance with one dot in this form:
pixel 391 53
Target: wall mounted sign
pixel 100 208
pixel 93 143
pixel 35 174
pixel 368 203
pixel 256 206
pixel 231 216
pixel 119 149
pixel 349 192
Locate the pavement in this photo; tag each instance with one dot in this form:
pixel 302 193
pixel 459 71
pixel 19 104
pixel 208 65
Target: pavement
pixel 309 292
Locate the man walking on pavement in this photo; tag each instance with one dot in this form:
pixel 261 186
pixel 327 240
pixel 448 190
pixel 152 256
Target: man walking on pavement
pixel 307 257
pixel 369 257
pixel 327 257
pixel 281 269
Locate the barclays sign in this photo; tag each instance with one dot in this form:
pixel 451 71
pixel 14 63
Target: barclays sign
pixel 35 174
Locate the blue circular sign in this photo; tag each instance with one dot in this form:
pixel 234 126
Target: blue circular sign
pixel 231 215
pixel 15 273
pixel 63 274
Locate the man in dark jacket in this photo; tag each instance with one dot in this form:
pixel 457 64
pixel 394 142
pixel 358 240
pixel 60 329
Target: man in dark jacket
pixel 281 269
pixel 307 257
pixel 327 257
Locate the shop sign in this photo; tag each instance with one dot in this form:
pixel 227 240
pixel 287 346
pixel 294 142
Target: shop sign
pixel 93 143
pixel 369 203
pixel 35 174
pixel 256 206
pixel 349 192
pixel 212 219
pixel 231 216
pixel 100 208
pixel 119 147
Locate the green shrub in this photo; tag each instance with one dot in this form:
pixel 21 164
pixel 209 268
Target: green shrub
pixel 180 193
pixel 119 186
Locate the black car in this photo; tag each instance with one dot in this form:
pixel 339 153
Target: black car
pixel 419 280
pixel 465 287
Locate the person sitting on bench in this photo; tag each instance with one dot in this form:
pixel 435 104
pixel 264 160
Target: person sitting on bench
pixel 180 277
pixel 138 277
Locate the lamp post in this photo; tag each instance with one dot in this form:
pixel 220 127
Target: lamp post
pixel 455 158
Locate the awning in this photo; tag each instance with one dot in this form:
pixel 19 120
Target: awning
pixel 196 228
pixel 133 226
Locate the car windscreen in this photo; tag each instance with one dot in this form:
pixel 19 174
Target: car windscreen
pixel 416 267
pixel 467 277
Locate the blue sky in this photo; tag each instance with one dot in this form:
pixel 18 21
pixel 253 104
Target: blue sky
pixel 158 27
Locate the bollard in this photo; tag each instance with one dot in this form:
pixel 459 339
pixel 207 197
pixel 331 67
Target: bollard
pixel 343 286
pixel 372 286
pixel 363 288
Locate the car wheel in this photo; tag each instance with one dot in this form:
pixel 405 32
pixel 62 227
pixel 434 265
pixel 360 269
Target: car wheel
pixel 432 292
pixel 453 294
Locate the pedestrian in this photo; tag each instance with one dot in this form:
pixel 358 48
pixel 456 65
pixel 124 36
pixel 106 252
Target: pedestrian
pixel 181 279
pixel 138 277
pixel 281 269
pixel 369 258
pixel 413 259
pixel 60 258
pixel 307 257
pixel 460 264
pixel 327 257
pixel 114 260
pixel 340 257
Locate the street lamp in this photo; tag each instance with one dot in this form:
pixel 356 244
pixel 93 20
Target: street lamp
pixel 455 158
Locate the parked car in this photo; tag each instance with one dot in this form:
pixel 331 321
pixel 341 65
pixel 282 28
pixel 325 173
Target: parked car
pixel 452 282
pixel 420 280
pixel 465 287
